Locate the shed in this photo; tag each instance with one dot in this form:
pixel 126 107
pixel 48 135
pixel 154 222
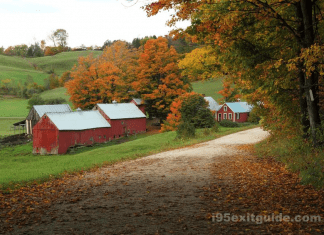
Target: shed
pixel 139 103
pixel 124 118
pixel 56 132
pixel 37 111
pixel 234 111
pixel 213 105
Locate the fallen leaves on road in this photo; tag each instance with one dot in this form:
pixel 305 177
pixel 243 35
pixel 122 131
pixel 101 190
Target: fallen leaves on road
pixel 262 187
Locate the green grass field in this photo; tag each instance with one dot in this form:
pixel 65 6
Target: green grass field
pixel 61 62
pixel 6 123
pixel 17 68
pixel 13 108
pixel 19 165
pixel 57 93
pixel 209 88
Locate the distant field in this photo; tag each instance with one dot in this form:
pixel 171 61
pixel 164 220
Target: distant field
pixel 15 62
pixel 6 123
pixel 209 88
pixel 13 108
pixel 61 62
pixel 57 93
pixel 20 75
pixel 17 68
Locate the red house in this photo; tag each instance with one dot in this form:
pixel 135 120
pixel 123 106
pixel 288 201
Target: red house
pixel 139 103
pixel 56 132
pixel 124 118
pixel 234 111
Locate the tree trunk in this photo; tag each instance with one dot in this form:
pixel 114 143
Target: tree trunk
pixel 311 82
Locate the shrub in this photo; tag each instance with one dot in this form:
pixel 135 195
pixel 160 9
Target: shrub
pixel 186 130
pixel 228 123
pixel 254 116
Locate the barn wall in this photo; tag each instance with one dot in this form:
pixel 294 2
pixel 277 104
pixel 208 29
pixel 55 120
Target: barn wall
pixel 45 137
pixel 83 137
pixel 122 126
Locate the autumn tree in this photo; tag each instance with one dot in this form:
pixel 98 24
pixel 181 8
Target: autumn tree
pixel 190 108
pixel 200 64
pixel 95 80
pixel 59 37
pixel 229 92
pixel 158 77
pixel 269 47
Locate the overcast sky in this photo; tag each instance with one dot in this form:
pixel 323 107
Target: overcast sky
pixel 88 22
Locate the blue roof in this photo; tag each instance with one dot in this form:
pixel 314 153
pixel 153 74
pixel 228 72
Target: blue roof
pixel 79 120
pixel 239 107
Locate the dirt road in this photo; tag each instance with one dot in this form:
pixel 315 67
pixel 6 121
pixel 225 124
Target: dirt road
pixel 158 194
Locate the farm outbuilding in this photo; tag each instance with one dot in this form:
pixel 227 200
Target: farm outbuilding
pixel 234 111
pixel 139 103
pixel 56 132
pixel 124 118
pixel 212 104
pixel 37 111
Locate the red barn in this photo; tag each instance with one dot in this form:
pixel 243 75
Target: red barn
pixel 139 103
pixel 56 132
pixel 234 111
pixel 124 118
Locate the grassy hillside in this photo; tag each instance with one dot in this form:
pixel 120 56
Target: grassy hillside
pixel 61 62
pixel 17 68
pixel 57 93
pixel 209 88
pixel 13 108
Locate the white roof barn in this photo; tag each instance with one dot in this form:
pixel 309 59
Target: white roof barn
pixel 213 105
pixel 121 110
pixel 37 111
pixel 81 120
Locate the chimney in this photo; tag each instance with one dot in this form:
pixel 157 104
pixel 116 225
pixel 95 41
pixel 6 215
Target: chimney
pixel 114 102
pixel 78 109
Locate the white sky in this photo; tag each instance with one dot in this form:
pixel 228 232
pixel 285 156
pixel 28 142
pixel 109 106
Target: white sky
pixel 88 22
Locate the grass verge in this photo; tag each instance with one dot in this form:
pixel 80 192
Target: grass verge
pixel 18 167
pixel 298 156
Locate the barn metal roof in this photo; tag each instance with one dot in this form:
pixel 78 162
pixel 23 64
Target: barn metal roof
pixel 138 101
pixel 213 105
pixel 239 107
pixel 54 108
pixel 121 110
pixel 80 120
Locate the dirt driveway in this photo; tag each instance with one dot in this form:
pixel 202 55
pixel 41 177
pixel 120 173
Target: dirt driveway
pixel 158 194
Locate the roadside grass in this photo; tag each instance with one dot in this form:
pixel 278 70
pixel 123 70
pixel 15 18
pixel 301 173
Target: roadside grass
pixel 298 156
pixel 6 123
pixel 19 167
pixel 13 107
pixel 61 62
pixel 209 88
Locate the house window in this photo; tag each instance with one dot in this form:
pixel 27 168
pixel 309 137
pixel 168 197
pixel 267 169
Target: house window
pixel 225 116
pixel 237 116
pixel 230 116
pixel 219 117
pixel 225 108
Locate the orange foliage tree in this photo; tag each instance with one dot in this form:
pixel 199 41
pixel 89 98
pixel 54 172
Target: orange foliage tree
pixel 98 80
pixel 191 108
pixel 229 93
pixel 158 77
